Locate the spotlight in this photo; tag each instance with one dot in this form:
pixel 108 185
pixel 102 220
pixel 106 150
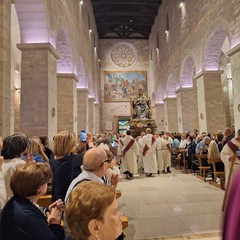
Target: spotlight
pixel 181 3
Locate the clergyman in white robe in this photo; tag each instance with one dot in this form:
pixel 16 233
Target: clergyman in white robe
pixel 150 158
pixel 129 159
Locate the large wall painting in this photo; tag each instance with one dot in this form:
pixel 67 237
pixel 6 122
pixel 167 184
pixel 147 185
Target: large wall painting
pixel 120 86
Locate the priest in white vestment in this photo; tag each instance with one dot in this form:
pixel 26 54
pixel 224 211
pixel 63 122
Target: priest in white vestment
pixel 160 163
pixel 128 149
pixel 149 143
pixel 229 155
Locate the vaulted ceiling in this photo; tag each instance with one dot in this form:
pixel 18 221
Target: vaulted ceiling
pixel 125 19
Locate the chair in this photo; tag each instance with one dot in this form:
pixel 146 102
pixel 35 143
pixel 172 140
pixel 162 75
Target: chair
pixel 176 160
pixel 217 174
pixel 185 169
pixel 203 169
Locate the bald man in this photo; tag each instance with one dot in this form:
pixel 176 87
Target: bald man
pixel 95 166
pixel 228 135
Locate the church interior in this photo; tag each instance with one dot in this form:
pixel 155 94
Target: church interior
pixel 77 65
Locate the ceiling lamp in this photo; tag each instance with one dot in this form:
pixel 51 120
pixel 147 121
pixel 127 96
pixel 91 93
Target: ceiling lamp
pixel 181 3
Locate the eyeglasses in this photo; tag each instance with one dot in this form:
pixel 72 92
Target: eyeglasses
pixel 106 161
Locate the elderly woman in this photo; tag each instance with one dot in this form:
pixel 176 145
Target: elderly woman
pixel 22 218
pixel 93 212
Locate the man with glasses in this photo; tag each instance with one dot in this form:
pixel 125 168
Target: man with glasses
pixel 95 166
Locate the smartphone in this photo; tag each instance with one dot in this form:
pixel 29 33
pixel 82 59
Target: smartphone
pixel 83 136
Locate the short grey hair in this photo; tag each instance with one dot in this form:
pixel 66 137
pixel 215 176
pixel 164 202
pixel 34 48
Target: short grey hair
pixel 207 139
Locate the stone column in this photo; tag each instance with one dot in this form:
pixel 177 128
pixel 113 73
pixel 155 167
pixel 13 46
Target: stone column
pixel 5 67
pixel 67 102
pixel 170 113
pixel 159 111
pixel 91 114
pixel 82 109
pixel 96 123
pixel 187 109
pixel 210 101
pixel 38 111
pixel 234 55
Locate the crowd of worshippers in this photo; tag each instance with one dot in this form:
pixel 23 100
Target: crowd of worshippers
pixel 77 169
pixel 83 186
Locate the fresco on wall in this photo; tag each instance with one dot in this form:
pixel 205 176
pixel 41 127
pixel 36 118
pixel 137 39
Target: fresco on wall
pixel 121 86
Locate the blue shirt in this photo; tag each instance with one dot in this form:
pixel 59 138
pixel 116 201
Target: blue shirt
pixel 37 158
pixel 200 146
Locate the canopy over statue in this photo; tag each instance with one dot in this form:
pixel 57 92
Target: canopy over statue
pixel 141 113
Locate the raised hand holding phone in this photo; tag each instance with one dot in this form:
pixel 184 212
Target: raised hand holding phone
pixel 83 136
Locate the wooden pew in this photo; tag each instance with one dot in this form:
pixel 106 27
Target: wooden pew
pixel 118 194
pixel 124 222
pixel 203 169
pixel 46 200
pixel 217 174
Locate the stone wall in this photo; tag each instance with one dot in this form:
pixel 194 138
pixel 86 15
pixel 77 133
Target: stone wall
pixel 112 110
pixel 67 28
pixel 198 30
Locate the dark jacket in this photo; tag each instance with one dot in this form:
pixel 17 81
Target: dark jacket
pixel 64 171
pixel 20 219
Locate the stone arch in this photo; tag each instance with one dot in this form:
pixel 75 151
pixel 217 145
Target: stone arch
pixel 212 49
pixel 187 72
pixel 63 46
pixel 214 39
pixel 81 74
pixel 33 22
pixel 171 87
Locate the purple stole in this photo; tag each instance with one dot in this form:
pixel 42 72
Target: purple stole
pixel 146 148
pixel 233 147
pixel 128 146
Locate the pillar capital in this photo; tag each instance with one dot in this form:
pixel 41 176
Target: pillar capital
pixel 91 98
pixel 68 75
pixel 83 90
pixel 206 72
pixel 159 104
pixel 181 89
pixel 169 99
pixel 38 46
